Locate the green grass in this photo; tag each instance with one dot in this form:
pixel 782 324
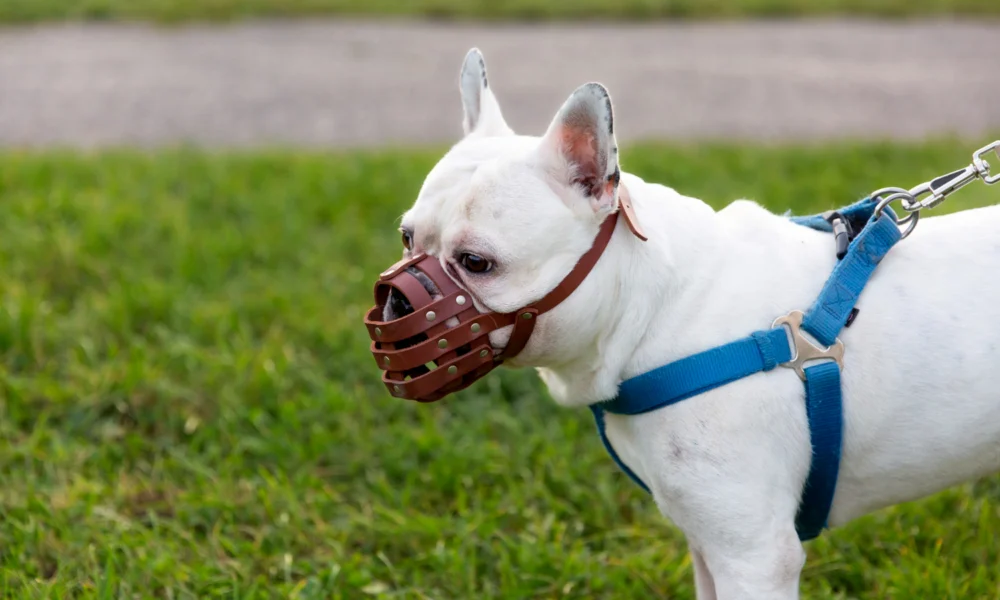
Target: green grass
pixel 188 407
pixel 187 10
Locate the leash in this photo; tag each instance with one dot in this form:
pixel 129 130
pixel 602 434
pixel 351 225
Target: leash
pixel 879 229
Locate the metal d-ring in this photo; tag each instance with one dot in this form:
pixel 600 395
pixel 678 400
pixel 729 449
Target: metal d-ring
pixel 909 220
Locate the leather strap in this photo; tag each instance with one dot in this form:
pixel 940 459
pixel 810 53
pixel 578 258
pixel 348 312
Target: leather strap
pixel 525 318
pixel 524 324
pixel 583 267
pixel 625 203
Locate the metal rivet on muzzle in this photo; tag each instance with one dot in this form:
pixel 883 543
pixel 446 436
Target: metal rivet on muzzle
pixel 525 315
pixel 452 370
pixel 385 360
pixel 475 328
pixel 397 389
pixel 431 315
pixel 483 352
pixel 460 300
pixel 378 331
pixel 442 343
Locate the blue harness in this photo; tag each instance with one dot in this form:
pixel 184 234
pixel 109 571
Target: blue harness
pixel 764 350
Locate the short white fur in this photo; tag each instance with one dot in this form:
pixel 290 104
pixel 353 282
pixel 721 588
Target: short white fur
pixel 921 399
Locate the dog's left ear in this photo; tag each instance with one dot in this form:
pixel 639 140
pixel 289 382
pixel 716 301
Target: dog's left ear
pixel 581 149
pixel 482 111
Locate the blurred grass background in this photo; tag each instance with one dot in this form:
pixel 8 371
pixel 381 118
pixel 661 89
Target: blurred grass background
pixel 20 11
pixel 189 408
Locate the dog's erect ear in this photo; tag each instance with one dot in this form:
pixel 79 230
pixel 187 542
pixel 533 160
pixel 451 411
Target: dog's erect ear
pixel 581 147
pixel 482 111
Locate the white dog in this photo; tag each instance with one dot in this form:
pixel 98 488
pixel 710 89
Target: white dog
pixel 921 381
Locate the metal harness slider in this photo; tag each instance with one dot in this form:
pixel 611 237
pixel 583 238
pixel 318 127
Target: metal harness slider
pixel 806 351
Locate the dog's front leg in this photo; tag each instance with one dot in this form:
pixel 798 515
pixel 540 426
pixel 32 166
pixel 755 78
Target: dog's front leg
pixel 742 537
pixel 771 570
pixel 744 564
pixel 704 585
pixel 740 528
pixel 728 472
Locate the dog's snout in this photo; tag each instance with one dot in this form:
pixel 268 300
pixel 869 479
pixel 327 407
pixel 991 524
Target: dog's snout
pixel 396 306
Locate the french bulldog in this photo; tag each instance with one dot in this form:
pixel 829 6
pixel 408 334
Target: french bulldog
pixel 509 215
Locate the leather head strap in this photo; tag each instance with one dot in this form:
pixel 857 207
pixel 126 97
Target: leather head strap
pixel 524 321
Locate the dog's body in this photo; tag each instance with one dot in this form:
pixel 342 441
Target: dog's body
pixel 921 374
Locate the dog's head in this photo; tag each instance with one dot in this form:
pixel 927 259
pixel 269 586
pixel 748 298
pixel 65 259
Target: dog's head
pixel 508 216
pixel 505 250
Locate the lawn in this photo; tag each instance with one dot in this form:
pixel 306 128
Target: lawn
pixel 188 408
pixel 186 10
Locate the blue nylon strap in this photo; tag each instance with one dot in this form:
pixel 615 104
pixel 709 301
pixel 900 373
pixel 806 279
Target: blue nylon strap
pixel 826 317
pixel 761 351
pixel 599 418
pixel 824 410
pixel 700 372
pixel 824 403
pixel 857 215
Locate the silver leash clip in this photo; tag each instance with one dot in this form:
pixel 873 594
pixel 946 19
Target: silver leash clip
pixel 931 193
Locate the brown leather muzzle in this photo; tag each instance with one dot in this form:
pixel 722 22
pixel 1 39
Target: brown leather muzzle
pixel 442 345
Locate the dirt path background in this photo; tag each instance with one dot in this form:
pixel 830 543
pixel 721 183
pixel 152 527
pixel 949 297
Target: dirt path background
pixel 339 83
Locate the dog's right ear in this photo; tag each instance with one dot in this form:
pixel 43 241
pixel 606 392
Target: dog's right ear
pixel 482 111
pixel 580 147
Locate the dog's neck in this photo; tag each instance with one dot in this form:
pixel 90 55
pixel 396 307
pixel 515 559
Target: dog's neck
pixel 649 303
pixel 629 300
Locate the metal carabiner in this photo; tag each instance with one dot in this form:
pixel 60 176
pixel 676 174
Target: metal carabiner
pixel 938 188
pixel 943 186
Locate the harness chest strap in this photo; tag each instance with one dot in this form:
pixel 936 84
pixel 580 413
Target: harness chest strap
pixel 764 350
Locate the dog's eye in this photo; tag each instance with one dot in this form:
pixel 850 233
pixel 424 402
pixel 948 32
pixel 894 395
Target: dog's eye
pixel 407 239
pixel 474 263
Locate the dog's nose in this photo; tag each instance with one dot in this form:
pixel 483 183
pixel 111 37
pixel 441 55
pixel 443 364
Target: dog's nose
pixel 396 306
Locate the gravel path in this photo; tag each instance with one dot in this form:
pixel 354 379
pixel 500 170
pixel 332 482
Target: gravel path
pixel 357 83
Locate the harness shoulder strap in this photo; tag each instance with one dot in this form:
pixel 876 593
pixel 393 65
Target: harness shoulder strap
pixel 828 314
